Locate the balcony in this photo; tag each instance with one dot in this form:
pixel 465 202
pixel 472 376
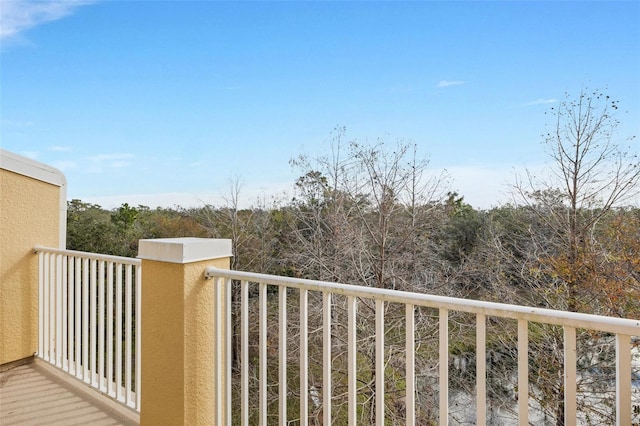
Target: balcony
pixel 175 337
pixel 82 293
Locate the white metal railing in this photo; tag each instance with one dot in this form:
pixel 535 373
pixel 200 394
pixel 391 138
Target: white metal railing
pixel 377 301
pixel 89 319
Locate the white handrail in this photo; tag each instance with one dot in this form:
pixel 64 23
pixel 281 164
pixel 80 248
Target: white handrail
pixel 623 329
pixel 504 310
pixel 89 255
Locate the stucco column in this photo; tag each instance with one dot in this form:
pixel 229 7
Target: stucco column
pixel 179 378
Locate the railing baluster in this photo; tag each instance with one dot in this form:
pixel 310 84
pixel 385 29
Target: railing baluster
pixel 41 305
pixel 51 332
pixel 58 311
pixel 71 297
pixel 481 370
pixel 623 379
pixel 523 372
pixel 570 405
pixel 410 372
pixel 128 318
pixel 351 361
pixel 64 313
pixel 119 272
pixel 304 358
pixel 263 354
pixel 110 294
pixel 85 319
pixel 101 328
pixel 379 362
pixel 92 321
pixel 138 337
pixel 282 362
pixel 244 365
pixel 55 311
pixel 326 358
pixel 78 316
pixel 444 365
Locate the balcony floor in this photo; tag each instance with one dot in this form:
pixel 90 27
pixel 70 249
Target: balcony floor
pixel 38 394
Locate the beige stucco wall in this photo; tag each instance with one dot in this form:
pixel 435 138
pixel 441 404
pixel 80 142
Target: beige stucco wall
pixel 30 215
pixel 179 374
pixel 177 343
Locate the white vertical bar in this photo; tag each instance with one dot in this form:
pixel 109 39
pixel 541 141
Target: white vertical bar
pixel 229 307
pixel 101 330
pixel 41 310
pixel 128 319
pixel 410 353
pixel 326 358
pixel 64 313
pixel 481 370
pixel 92 318
pixel 304 358
pixel 85 318
pixel 53 311
pixel 282 363
pixel 78 315
pixel 263 355
pixel 138 336
pixel 523 373
pixel 379 362
pixel 110 319
pixel 444 365
pixel 71 299
pixel 351 359
pixel 244 365
pixel 623 379
pixel 218 350
pixel 59 343
pixel 51 332
pixel 570 405
pixel 119 272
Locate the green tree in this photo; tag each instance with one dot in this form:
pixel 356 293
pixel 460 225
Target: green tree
pixel 89 228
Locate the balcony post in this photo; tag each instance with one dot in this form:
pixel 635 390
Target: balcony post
pixel 179 378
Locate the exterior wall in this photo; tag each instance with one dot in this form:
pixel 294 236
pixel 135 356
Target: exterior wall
pixel 32 197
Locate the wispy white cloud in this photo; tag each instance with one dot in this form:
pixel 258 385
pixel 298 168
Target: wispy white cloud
pixel 17 16
pixel 541 102
pixel 58 148
pixel 447 83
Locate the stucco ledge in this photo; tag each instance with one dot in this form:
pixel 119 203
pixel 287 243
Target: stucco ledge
pixel 184 250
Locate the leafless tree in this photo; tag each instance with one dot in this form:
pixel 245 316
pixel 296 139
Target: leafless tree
pixel 590 173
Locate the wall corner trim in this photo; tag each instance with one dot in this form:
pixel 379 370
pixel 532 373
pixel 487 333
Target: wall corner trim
pixel 25 166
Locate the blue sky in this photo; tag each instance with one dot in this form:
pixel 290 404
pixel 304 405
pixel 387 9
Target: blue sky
pixel 162 103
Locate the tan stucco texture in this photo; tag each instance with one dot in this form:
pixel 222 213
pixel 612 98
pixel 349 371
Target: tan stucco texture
pixel 178 335
pixel 29 216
